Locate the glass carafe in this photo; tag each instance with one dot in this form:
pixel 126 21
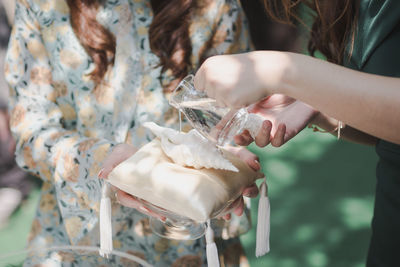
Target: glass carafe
pixel 217 124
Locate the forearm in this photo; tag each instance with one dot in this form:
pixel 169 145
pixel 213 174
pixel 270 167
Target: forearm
pixel 364 101
pixel 348 133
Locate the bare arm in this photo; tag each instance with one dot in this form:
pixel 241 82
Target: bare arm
pixel 369 103
pixel 348 133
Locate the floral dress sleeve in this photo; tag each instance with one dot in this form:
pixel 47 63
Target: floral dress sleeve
pixel 229 33
pixel 46 145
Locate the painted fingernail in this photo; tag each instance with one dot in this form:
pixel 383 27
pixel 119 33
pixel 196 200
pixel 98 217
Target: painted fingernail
pixel 257 165
pixel 100 174
pixel 247 194
pixel 143 208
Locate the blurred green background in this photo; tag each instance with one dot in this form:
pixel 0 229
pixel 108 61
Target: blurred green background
pixel 321 193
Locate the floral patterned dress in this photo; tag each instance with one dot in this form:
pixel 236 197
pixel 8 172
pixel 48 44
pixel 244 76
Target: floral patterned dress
pixel 65 127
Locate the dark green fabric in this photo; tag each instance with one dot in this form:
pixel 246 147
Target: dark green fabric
pixel 377 20
pixel 377 50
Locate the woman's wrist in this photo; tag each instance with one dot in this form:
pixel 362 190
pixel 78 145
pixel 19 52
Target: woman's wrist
pixel 324 122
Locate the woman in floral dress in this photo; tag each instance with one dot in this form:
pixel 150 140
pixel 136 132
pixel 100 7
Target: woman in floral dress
pixel 84 76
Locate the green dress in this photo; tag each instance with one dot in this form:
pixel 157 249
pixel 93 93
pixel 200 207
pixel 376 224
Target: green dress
pixel 377 51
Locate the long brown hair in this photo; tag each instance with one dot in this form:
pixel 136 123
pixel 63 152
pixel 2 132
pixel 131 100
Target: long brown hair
pixel 333 28
pixel 168 35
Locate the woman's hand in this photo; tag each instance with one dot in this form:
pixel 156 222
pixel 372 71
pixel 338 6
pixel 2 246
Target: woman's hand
pixel 285 118
pixel 242 79
pixel 120 153
pixel 251 191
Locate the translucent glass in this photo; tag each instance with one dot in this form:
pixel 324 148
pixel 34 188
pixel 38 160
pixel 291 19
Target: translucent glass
pixel 217 124
pixel 174 226
pixel 180 227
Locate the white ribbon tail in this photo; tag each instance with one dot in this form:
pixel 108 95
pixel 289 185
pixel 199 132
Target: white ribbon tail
pixel 211 248
pixel 106 243
pixel 263 222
